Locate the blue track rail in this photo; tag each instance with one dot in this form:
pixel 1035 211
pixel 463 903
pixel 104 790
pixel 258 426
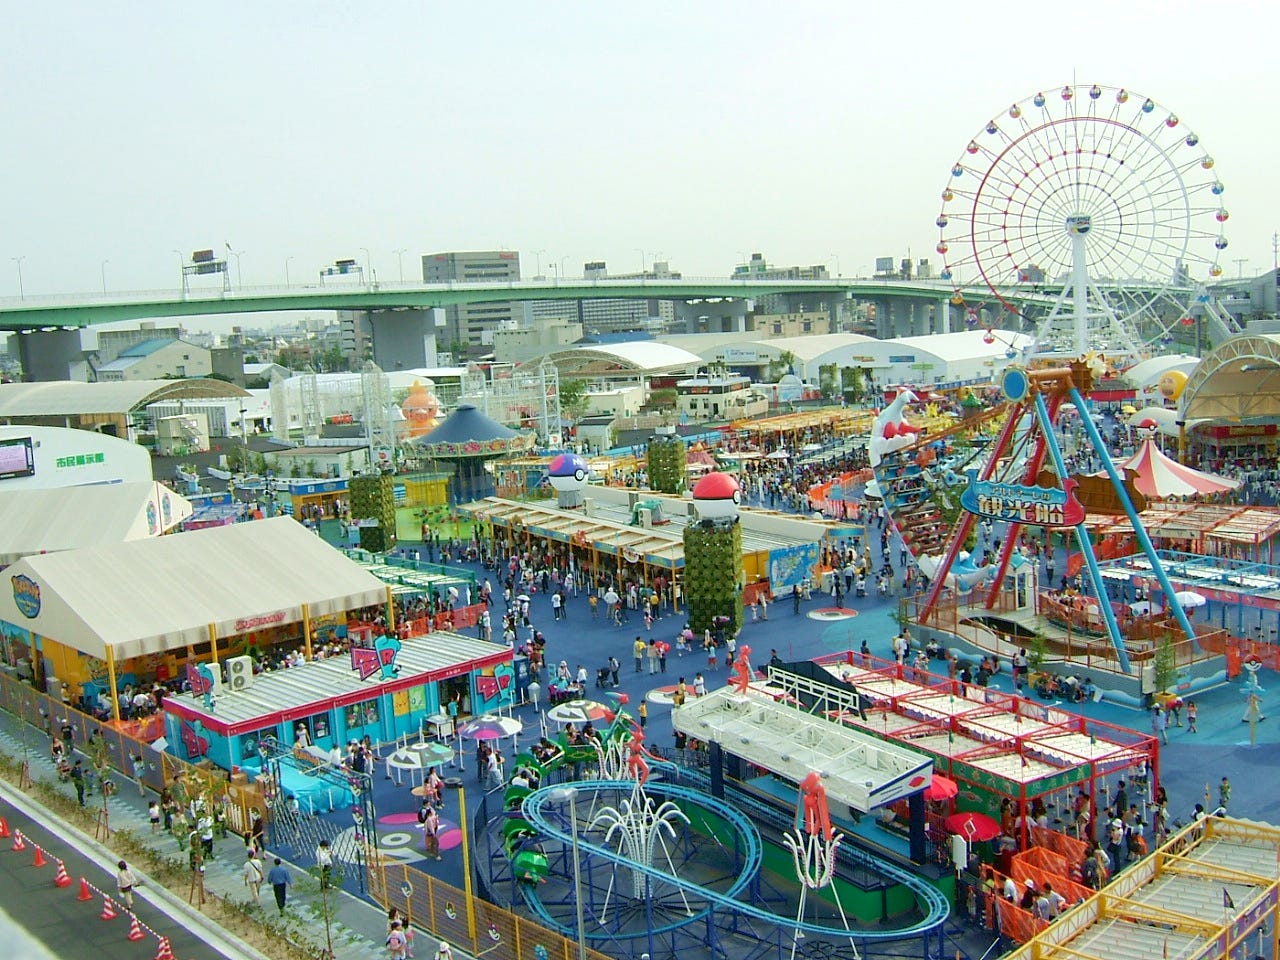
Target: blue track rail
pixel 933 905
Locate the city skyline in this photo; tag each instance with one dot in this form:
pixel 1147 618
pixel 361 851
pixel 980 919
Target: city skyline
pixel 298 136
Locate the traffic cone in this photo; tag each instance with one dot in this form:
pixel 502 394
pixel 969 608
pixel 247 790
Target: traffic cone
pixel 18 845
pixel 85 893
pixel 108 909
pixel 164 952
pixel 61 878
pixel 38 860
pixel 4 829
pixel 135 928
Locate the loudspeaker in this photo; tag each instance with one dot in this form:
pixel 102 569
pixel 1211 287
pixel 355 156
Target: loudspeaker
pixel 239 673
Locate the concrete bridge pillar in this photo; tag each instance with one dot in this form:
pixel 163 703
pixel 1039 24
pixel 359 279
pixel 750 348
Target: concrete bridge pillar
pixel 52 355
pixel 943 316
pixel 726 316
pixel 920 318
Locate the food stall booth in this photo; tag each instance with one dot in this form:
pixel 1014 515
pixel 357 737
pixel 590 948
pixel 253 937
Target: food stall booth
pixel 100 619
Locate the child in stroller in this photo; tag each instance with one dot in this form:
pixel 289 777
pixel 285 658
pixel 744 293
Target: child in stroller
pixel 604 678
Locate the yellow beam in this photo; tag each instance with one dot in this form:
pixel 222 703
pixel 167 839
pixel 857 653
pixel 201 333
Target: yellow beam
pixel 111 678
pixel 306 629
pixel 213 643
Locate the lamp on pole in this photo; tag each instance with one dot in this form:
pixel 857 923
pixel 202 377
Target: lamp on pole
pixel 562 267
pixel 237 254
pixel 644 260
pixel 571 794
pixel 556 267
pixel 22 294
pixel 400 260
pixel 102 268
pixel 286 270
pixel 368 265
pixel 456 784
pixel 836 258
pixel 537 259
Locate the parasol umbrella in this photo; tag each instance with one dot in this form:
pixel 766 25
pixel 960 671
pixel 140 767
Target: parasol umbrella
pixel 523 598
pixel 490 727
pixel 941 788
pixel 974 827
pixel 418 757
pixel 779 455
pixel 578 711
pixel 1188 599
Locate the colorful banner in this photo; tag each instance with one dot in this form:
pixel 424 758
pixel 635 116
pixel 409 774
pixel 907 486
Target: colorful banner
pixel 1015 502
pixel 791 566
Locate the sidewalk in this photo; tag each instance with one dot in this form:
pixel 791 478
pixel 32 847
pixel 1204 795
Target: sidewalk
pixel 359 926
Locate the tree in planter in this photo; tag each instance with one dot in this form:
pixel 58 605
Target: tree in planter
pixel 1166 665
pixel 325 903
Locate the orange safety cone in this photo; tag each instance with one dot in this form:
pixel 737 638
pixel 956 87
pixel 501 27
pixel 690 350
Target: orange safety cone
pixel 38 860
pixel 165 952
pixel 4 829
pixel 85 893
pixel 61 878
pixel 18 845
pixel 108 909
pixel 135 928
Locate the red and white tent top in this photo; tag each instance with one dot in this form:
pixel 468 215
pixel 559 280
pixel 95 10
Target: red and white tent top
pixel 1160 476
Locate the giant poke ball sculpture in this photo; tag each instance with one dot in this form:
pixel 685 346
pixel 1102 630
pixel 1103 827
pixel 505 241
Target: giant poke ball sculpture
pixel 568 472
pixel 717 497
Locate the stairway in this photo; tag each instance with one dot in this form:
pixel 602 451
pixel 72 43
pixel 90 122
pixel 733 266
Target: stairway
pixel 909 499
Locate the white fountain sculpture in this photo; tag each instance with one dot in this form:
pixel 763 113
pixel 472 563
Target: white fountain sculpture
pixel 640 827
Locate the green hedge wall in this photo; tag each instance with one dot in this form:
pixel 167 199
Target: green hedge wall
pixel 713 575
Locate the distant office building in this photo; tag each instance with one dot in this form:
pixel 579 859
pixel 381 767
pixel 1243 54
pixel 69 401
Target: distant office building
pixel 401 339
pixel 157 360
pixel 770 325
pixel 757 268
pixel 611 316
pixel 112 343
pixel 473 325
pixel 541 336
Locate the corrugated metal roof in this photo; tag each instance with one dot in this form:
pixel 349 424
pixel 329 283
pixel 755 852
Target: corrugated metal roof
pixel 71 397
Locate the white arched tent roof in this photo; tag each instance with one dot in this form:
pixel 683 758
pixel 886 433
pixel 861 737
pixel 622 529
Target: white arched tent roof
pixel 1237 381
pixel 633 356
pixel 69 397
pixel 1144 373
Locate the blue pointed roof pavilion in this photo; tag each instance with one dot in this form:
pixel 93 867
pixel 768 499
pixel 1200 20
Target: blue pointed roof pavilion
pixel 469 433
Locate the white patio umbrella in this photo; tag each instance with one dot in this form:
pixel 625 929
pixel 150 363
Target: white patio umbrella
pixel 1189 600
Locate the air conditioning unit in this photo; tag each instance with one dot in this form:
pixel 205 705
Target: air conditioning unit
pixel 239 673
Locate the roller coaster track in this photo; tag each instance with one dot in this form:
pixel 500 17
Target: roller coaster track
pixel 931 902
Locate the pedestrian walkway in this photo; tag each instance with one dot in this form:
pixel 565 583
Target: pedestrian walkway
pixel 359 927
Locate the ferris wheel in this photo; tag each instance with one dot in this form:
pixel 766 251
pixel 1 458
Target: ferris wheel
pixel 1096 194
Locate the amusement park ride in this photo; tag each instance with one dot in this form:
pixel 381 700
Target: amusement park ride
pixel 1082 183
pixel 666 860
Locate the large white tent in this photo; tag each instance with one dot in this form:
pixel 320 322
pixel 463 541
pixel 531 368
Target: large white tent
pixel 149 596
pixel 35 521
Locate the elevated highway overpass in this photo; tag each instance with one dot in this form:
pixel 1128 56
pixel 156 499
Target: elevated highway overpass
pixel 62 311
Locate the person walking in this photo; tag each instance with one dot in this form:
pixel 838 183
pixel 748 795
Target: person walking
pixel 77 777
pixel 430 821
pixel 324 860
pixel 125 882
pixel 639 649
pixel 643 710
pixel 280 881
pixel 140 774
pixel 1160 724
pixel 253 874
pixel 1193 713
pixel 795 599
pixel 397 943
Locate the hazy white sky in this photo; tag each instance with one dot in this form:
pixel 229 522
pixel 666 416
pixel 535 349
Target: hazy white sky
pixel 807 131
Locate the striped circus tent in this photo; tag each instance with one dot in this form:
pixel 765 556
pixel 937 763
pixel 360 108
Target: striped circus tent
pixel 1160 477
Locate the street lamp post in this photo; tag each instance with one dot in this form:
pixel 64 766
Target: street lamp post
pixel 368 265
pixel 562 267
pixel 237 254
pixel 644 261
pixel 400 260
pixel 555 267
pixel 102 268
pixel 836 258
pixel 22 294
pixel 537 258
pixel 286 270
pixel 571 794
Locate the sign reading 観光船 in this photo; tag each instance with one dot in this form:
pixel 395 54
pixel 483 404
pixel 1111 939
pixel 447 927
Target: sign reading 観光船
pixel 1039 506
